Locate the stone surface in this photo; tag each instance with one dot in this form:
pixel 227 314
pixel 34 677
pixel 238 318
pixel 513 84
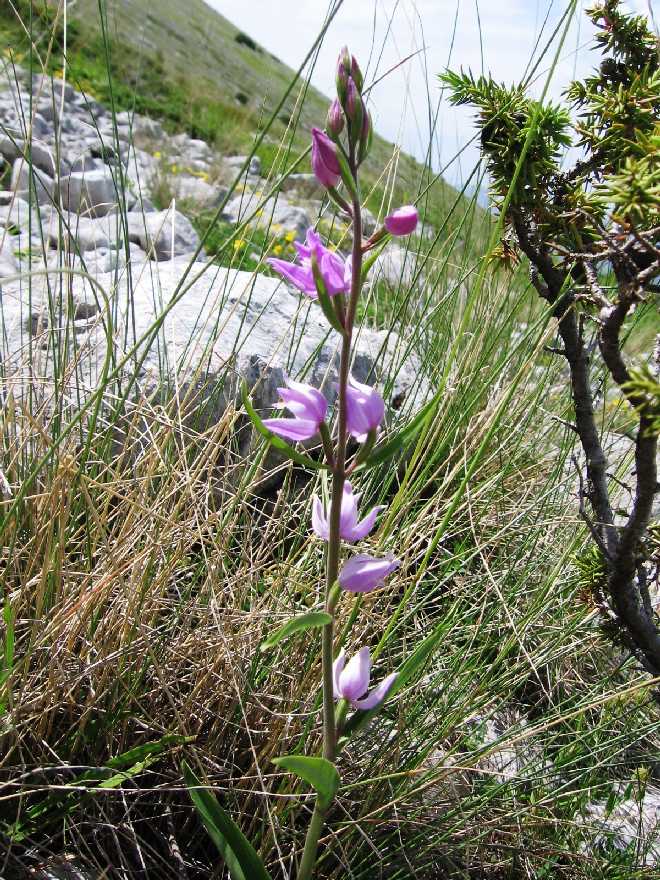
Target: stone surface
pixel 274 213
pixel 629 824
pixel 395 266
pixel 32 185
pixel 305 185
pixel 162 234
pixel 193 189
pixel 8 261
pixel 89 193
pixel 254 168
pixel 227 325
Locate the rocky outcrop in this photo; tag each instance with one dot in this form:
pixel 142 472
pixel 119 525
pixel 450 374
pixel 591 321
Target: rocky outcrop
pixel 113 283
pixel 221 326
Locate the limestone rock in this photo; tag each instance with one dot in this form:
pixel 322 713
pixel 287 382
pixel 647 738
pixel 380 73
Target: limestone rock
pixel 90 193
pixel 32 184
pixel 193 189
pixel 396 265
pixel 226 325
pixel 275 212
pixel 254 168
pixel 8 262
pixel 162 234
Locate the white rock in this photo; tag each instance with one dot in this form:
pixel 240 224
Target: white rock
pixel 395 266
pixel 41 156
pixel 198 191
pixel 274 213
pixel 32 183
pixel 628 824
pixel 8 262
pixel 90 193
pixel 227 323
pixel 254 168
pixel 162 234
pixel 305 185
pixel 16 212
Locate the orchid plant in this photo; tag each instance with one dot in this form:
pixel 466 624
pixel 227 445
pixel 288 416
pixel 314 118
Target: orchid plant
pixel 335 283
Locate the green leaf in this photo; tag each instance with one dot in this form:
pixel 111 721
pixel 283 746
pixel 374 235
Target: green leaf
pixel 274 440
pixel 324 298
pixel 370 260
pixel 297 624
pixel 320 773
pixel 402 437
pixel 347 174
pixel 335 197
pixel 234 847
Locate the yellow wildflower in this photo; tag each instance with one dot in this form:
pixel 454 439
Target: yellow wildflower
pixel 277 249
pixel 239 243
pixel 290 236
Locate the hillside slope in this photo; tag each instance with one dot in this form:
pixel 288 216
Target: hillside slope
pixel 189 66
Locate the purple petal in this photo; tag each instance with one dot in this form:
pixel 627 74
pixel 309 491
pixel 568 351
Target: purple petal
pixel 323 174
pixel 319 519
pixel 333 270
pixel 354 678
pixel 365 409
pixel 300 394
pixel 300 276
pixel 292 429
pixel 348 515
pixel 403 221
pixel 305 406
pixel 363 573
pixel 362 529
pixel 327 150
pixel 337 668
pixel 377 695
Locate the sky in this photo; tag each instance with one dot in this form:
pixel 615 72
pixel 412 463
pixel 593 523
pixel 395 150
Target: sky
pixel 496 36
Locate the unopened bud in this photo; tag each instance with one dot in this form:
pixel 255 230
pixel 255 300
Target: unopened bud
pixel 354 110
pixel 343 73
pixel 356 73
pixel 366 135
pixel 335 120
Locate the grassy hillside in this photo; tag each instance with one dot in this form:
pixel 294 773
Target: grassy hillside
pixel 186 64
pixel 148 550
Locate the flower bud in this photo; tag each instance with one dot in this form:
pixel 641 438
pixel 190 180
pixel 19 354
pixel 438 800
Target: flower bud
pixel 354 109
pixel 335 119
pixel 343 73
pixel 403 221
pixel 325 164
pixel 356 73
pixel 366 135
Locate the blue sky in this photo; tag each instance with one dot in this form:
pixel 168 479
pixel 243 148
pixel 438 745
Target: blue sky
pixel 495 35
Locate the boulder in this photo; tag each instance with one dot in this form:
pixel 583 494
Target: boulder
pixel 41 156
pixel 193 189
pixel 32 184
pixel 8 261
pixel 90 193
pixel 396 265
pixel 274 213
pixel 305 185
pixel 236 162
pixel 162 234
pixel 225 326
pixel 16 212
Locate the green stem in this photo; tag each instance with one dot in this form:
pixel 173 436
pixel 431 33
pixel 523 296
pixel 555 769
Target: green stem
pixel 334 542
pixel 311 843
